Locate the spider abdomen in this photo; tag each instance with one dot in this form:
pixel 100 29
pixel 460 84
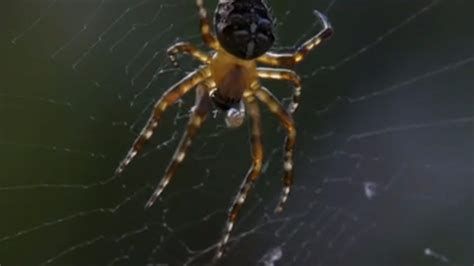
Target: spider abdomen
pixel 244 28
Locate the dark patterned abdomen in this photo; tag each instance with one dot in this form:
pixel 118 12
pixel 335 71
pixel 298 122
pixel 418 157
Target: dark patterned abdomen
pixel 244 28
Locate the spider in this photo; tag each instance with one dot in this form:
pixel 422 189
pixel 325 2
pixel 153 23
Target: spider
pixel 228 80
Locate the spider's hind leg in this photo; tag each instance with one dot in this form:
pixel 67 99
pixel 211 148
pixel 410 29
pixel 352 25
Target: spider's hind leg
pixel 287 121
pixel 254 171
pixel 199 113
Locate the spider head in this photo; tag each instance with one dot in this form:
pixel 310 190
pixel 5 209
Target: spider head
pixel 244 28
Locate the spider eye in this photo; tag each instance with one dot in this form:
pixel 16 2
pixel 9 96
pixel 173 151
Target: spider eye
pixel 244 28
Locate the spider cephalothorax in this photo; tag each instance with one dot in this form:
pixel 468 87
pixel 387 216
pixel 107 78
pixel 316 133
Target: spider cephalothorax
pixel 244 28
pixel 229 80
pixel 232 76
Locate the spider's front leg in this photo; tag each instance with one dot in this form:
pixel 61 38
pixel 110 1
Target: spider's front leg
pixel 168 99
pixel 252 174
pixel 206 29
pixel 284 74
pixel 297 56
pixel 202 107
pixel 285 118
pixel 187 48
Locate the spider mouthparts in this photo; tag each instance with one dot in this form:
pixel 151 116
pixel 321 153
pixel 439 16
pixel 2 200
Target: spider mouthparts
pixel 234 118
pixel 278 209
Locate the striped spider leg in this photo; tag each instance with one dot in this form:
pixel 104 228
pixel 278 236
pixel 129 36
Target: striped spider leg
pixel 252 174
pixel 284 74
pixel 290 59
pixel 187 48
pixel 174 93
pixel 265 96
pixel 200 110
pixel 286 120
pixel 205 26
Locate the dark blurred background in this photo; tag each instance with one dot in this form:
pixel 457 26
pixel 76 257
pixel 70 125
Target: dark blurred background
pixel 384 161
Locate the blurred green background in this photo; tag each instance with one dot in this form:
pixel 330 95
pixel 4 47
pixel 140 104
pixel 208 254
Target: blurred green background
pixel 384 161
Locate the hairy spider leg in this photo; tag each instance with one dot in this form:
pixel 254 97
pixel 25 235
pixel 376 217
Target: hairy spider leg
pixel 284 74
pixel 169 98
pixel 252 174
pixel 206 28
pixel 187 48
pixel 202 107
pixel 290 59
pixel 285 118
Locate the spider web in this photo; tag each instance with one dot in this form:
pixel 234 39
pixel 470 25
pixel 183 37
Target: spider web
pixel 384 157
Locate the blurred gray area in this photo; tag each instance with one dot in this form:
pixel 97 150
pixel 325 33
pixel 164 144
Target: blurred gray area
pixel 384 161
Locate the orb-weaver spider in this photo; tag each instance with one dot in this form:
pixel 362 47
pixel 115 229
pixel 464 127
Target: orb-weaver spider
pixel 229 81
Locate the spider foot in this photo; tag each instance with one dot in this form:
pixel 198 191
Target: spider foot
pixel 219 253
pixel 292 107
pixel 283 199
pixel 328 30
pixel 125 162
pixel 156 194
pixel 174 60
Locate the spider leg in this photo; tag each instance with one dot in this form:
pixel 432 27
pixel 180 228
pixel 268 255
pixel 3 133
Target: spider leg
pixel 200 110
pixel 206 29
pixel 252 174
pixel 290 59
pixel 285 118
pixel 187 48
pixel 284 74
pixel 168 99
